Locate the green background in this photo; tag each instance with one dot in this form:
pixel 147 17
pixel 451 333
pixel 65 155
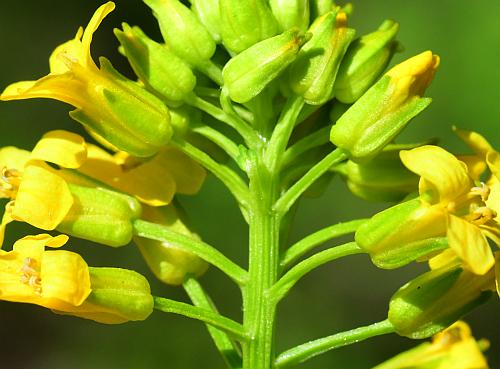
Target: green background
pixel 336 297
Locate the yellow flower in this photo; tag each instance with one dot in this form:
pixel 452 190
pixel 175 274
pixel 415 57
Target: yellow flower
pixel 115 108
pixel 54 279
pixel 39 196
pixel 453 348
pixel 449 194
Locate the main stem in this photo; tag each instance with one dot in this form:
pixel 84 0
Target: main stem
pixel 259 308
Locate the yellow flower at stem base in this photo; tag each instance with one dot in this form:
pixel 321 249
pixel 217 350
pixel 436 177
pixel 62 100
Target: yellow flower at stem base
pixel 117 109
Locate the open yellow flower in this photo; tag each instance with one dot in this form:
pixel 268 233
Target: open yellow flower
pixel 39 196
pixel 117 109
pixel 453 348
pixel 55 279
pixel 447 190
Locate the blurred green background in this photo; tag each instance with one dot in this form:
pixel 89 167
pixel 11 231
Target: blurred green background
pixel 337 296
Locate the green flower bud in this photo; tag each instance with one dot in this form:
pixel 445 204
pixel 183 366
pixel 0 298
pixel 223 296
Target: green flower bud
pixel 182 31
pixel 182 117
pixel 118 296
pixel 402 233
pixel 101 215
pixel 313 74
pixel 435 300
pixel 129 117
pixel 168 264
pixel 208 13
pixel 320 7
pixel 248 73
pixel 364 61
pixel 243 23
pixel 384 178
pixel 384 110
pixel 291 13
pixel 161 71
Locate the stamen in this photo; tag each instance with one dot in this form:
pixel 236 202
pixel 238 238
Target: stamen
pixel 30 275
pixel 481 215
pixel 483 191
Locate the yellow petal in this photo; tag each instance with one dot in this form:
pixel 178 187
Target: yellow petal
pixel 470 245
pixel 497 272
pixel 475 141
pixel 69 52
pixel 475 165
pixel 440 171
pixel 63 148
pixel 446 258
pixel 493 161
pixel 94 23
pixel 65 277
pixel 43 198
pixel 41 240
pixel 6 219
pixel 493 201
pixel 13 158
pixel 101 165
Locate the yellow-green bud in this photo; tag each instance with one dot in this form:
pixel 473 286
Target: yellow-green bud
pixel 364 61
pixel 101 215
pixel 118 296
pixel 126 115
pixel 384 178
pixel 377 117
pixel 312 75
pixel 248 73
pixel 402 233
pixel 291 13
pixel 243 23
pixel 166 262
pixel 182 31
pixel 435 300
pixel 320 7
pixel 208 13
pixel 161 71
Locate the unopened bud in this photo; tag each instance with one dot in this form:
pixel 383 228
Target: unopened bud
pixel 208 14
pixel 291 13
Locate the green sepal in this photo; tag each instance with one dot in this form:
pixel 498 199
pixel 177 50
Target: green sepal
pixel 402 233
pixel 313 73
pixel 367 127
pixel 291 13
pixel 101 215
pixel 364 61
pixel 129 117
pixel 161 71
pixel 435 300
pixel 320 7
pixel 167 263
pixel 243 23
pixel 118 296
pixel 248 73
pixel 182 31
pixel 208 13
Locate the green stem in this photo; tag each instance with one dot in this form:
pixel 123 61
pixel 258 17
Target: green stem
pixel 318 138
pixel 289 197
pixel 216 320
pixel 233 121
pixel 310 349
pixel 227 176
pixel 282 132
pixel 228 349
pixel 182 242
pixel 212 71
pixel 306 244
pixel 219 139
pixel 285 283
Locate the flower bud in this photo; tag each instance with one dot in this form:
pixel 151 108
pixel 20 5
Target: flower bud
pixel 101 216
pixel 118 296
pixel 182 31
pixel 166 262
pixel 313 74
pixel 208 14
pixel 243 23
pixel 436 299
pixel 248 73
pixel 320 7
pixel 291 13
pixel 365 59
pixel 402 233
pixel 384 178
pixel 385 109
pixel 161 71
